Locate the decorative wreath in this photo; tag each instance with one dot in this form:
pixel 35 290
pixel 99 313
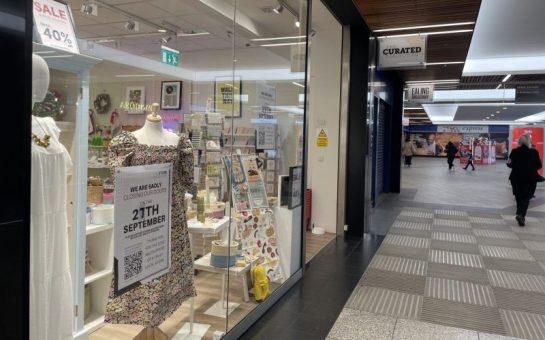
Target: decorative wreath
pixel 102 103
pixel 51 106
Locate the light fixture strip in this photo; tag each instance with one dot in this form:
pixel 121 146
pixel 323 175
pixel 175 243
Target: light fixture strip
pixel 506 78
pixel 409 28
pixel 445 63
pixel 133 75
pixel 279 38
pixel 437 81
pixel 297 84
pixel 283 44
pixel 426 33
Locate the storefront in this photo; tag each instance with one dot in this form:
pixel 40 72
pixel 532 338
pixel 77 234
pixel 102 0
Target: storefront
pixel 168 166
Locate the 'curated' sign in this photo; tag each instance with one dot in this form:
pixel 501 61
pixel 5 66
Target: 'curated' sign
pixel 402 52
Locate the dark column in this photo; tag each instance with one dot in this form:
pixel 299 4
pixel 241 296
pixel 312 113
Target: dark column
pixel 15 91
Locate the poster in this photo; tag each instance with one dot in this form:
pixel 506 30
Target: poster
pixel 536 133
pixel 142 223
pixel 265 100
pixel 266 136
pixel 227 94
pixel 296 187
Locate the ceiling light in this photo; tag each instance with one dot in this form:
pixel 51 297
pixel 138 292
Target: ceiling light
pixel 473 95
pixel 191 33
pixel 297 84
pixel 89 9
pixel 499 85
pixel 445 63
pixel 165 39
pixel 412 108
pixel 426 33
pixel 497 111
pixel 132 25
pixel 506 78
pixel 535 118
pixel 434 81
pixel 505 107
pixel 161 30
pixel 487 117
pixel 492 115
pixel 133 75
pixel 280 38
pixel 409 28
pixel 297 23
pixel 283 44
pixel 278 9
pixel 57 56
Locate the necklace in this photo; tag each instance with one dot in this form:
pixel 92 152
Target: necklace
pixel 43 142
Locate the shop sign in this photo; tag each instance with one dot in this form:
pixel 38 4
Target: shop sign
pixel 54 24
pixel 296 187
pixel 402 52
pixel 170 56
pixel 266 100
pixel 530 93
pixel 420 93
pixel 133 106
pixel 322 140
pixel 466 129
pixel 142 223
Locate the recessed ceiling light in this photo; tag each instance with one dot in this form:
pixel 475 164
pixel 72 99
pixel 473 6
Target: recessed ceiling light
pixel 497 111
pixel 505 107
pixel 161 30
pixel 492 115
pixel 487 117
pixel 297 23
pixel 506 78
pixel 283 44
pixel 408 28
pixel 278 9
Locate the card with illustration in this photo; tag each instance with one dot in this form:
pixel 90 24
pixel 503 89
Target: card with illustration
pixel 258 195
pixel 251 169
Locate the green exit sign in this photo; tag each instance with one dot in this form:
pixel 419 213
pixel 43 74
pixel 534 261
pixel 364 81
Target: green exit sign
pixel 170 56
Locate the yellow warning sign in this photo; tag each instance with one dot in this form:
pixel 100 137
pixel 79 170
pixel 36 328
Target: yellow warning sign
pixel 322 140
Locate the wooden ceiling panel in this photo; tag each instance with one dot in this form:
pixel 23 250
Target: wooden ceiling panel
pixel 399 13
pixel 452 47
pixel 433 72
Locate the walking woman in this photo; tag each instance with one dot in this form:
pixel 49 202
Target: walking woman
pixel 524 163
pixel 408 151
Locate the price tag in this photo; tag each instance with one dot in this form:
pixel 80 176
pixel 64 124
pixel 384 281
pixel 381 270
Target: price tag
pixel 53 22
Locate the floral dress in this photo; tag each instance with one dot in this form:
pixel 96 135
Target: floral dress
pixel 150 303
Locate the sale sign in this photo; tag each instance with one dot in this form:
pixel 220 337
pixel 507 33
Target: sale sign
pixel 535 133
pixel 54 25
pixel 142 223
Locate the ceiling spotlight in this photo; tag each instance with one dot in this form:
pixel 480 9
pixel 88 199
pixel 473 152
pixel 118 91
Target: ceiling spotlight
pixel 89 9
pixel 297 23
pixel 492 115
pixel 497 111
pixel 161 30
pixel 505 107
pixel 487 117
pixel 132 26
pixel 278 9
pixel 165 39
pixel 506 78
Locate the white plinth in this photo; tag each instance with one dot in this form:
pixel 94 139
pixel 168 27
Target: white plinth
pixel 221 311
pixel 199 330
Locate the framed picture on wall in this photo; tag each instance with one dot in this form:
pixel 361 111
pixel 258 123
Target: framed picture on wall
pixel 227 92
pixel 171 95
pixel 135 99
pixel 295 198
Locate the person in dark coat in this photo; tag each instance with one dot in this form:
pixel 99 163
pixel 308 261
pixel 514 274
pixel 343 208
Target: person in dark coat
pixel 451 151
pixel 524 163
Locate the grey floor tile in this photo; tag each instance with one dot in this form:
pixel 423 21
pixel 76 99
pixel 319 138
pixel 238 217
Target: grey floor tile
pixel 459 291
pixel 409 252
pixel 407 241
pixel 486 220
pixel 479 318
pixel 515 266
pixel 451 223
pixel 524 301
pixel 467 248
pixel 386 302
pixel 411 225
pixel 454 230
pixel 475 275
pixel 399 265
pixel 533 245
pixel 524 325
pixel 538 255
pixel 455 258
pixel 410 232
pixel 453 237
pixel 357 325
pixel 498 242
pixel 506 253
pixel 411 284
pixel 418 330
pixel 517 281
pixel 506 235
pixel 489 336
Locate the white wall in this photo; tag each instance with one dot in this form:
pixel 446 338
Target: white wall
pixel 324 112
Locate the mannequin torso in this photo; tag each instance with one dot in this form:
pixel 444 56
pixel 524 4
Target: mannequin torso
pixel 152 133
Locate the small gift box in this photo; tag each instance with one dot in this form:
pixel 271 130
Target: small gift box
pixel 95 189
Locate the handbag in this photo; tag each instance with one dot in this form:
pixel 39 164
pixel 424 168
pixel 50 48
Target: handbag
pixel 540 178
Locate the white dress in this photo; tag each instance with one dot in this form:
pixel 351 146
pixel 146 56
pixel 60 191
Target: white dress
pixel 51 306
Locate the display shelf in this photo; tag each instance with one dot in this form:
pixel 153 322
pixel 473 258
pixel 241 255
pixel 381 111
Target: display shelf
pixel 94 321
pixel 238 146
pixel 97 275
pixel 95 228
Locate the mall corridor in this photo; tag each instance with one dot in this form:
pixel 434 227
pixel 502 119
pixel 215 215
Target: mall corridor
pixel 453 265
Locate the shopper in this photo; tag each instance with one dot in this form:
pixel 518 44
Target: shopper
pixel 524 162
pixel 451 151
pixel 470 160
pixel 408 151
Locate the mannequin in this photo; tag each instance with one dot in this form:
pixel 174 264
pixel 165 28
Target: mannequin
pixel 51 300
pixel 153 133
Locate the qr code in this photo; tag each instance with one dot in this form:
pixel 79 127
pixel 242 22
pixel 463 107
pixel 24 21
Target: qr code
pixel 133 264
pixel 261 137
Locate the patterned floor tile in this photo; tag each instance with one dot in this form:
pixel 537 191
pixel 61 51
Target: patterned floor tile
pixel 518 281
pixel 490 336
pixel 506 253
pixel 451 237
pixel 531 237
pixel 409 232
pixel 445 212
pixel 519 300
pixel 515 266
pixel 498 242
pixel 485 220
pixel 386 302
pixel 459 291
pixel 454 246
pixel 452 230
pixel 413 253
pixel 411 225
pixel 399 265
pixel 357 325
pixel 506 235
pixel 476 275
pixel 451 223
pixel 533 245
pixel 480 318
pixel 416 213
pixel 418 330
pixel 407 241
pixel 455 259
pixel 524 325
pixel 499 227
pixel 537 230
pixel 404 283
pixel 538 255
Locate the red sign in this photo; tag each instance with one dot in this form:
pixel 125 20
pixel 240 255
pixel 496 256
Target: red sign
pixel 536 133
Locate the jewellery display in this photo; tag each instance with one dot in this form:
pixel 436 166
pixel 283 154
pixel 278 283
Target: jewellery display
pixel 43 142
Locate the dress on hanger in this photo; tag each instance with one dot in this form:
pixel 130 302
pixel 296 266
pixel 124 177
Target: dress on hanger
pixel 51 304
pixel 152 302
